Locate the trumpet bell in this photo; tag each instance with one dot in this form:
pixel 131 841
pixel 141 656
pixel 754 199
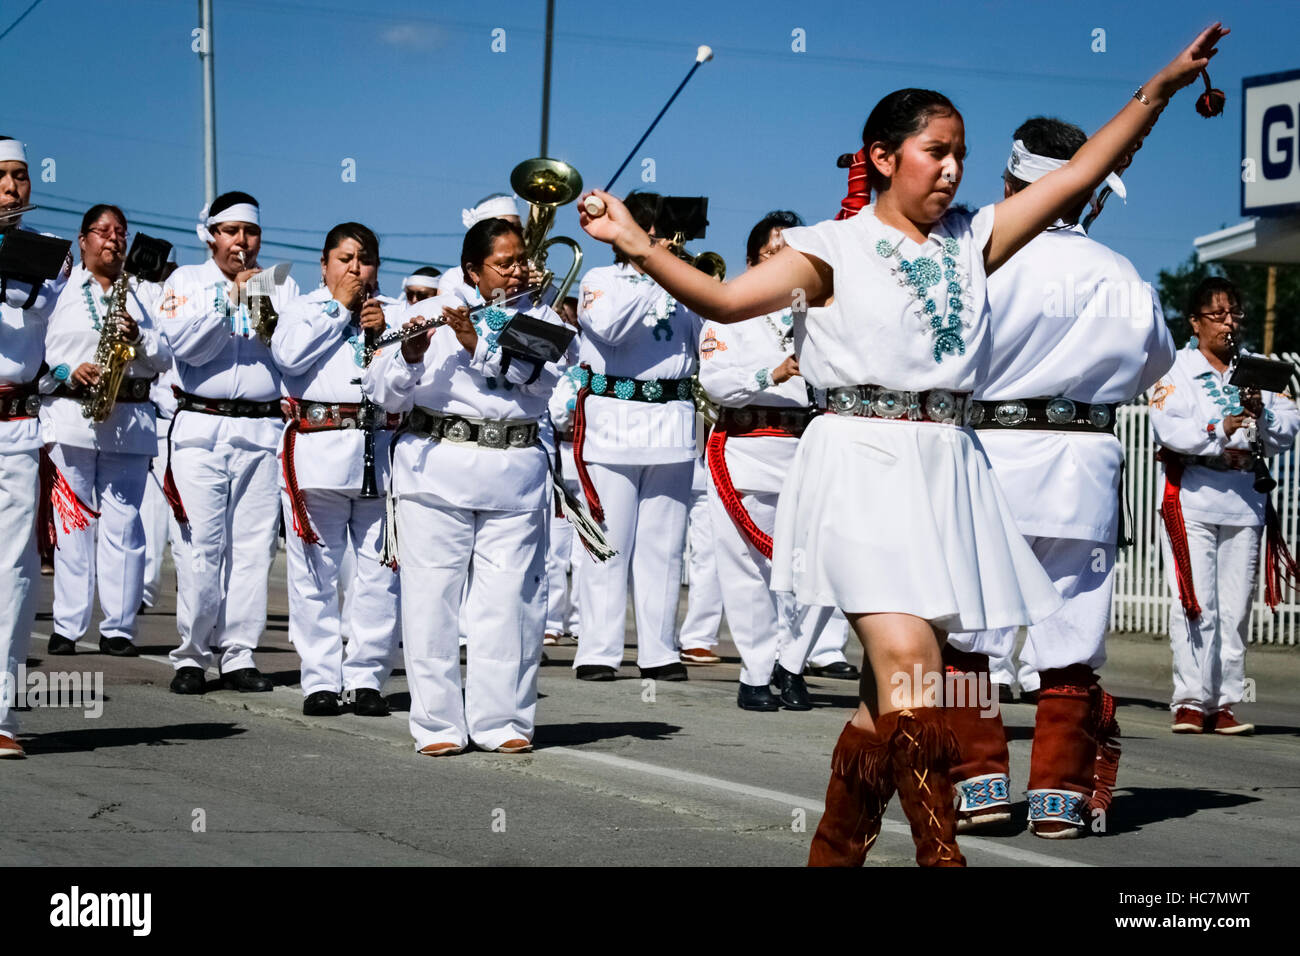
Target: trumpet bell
pixel 546 182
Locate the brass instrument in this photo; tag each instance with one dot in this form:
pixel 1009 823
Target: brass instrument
pixel 261 311
pixel 112 355
pixel 546 184
pixel 710 263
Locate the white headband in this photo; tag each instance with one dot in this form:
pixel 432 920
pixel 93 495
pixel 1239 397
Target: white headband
pixel 240 212
pixel 12 151
pixel 491 209
pixel 1028 167
pixel 420 282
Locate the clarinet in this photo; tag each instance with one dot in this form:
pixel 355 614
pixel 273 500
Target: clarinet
pixel 1264 480
pixel 369 419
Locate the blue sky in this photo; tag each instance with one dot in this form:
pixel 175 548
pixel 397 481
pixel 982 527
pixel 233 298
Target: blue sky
pixel 413 92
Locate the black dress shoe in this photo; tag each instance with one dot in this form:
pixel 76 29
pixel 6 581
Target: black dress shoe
pixel 675 671
pixel 368 702
pixel 791 688
pixel 840 670
pixel 321 703
pixel 595 672
pixel 118 647
pixel 189 680
pixel 247 680
pixel 757 698
pixel 60 645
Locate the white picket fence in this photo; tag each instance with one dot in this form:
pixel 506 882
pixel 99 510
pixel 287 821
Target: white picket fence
pixel 1142 598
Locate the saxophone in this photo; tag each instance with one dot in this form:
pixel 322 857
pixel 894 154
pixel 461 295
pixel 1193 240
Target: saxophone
pixel 112 355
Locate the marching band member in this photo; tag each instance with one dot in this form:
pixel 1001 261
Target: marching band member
pixel 1075 332
pixel 105 463
pixel 24 311
pixel 1212 513
pixel 492 206
pixel 899 349
pixel 750 369
pixel 320 346
pixel 634 447
pixel 160 526
pixel 470 483
pixel 227 428
pixel 421 284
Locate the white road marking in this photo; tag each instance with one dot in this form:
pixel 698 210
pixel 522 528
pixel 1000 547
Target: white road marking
pixel 794 800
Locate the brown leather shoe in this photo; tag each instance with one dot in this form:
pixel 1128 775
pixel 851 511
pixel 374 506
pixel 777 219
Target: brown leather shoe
pixel 699 655
pixel 1188 721
pixel 1225 723
pixel 516 746
pixel 859 790
pixel 11 748
pixel 445 749
pixel 921 749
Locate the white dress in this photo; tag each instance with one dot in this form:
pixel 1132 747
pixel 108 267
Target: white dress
pixel 893 515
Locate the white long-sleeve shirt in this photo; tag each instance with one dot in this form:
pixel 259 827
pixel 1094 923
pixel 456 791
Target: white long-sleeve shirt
pixel 319 346
pixel 218 355
pixel 632 328
pixel 736 365
pixel 22 349
pixel 1072 318
pixel 72 340
pixel 451 381
pixel 1188 406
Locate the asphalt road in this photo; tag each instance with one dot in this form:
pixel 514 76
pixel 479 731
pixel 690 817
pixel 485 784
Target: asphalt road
pixel 621 776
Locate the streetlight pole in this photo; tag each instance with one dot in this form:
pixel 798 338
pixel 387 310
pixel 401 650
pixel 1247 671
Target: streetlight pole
pixel 209 103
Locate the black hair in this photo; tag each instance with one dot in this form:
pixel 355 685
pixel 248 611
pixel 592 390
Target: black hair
pixel 226 200
pixel 776 219
pixel 368 241
pixel 480 240
pixel 901 114
pixel 1055 139
pixel 94 212
pixel 643 207
pixel 1205 291
pixel 429 271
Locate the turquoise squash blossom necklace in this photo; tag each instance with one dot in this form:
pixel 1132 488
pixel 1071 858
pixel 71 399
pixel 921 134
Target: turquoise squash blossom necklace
pixel 920 275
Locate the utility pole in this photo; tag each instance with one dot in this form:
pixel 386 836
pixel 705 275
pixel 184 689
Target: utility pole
pixel 1270 310
pixel 546 77
pixel 209 103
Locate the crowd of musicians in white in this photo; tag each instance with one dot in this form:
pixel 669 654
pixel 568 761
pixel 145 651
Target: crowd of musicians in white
pixel 222 429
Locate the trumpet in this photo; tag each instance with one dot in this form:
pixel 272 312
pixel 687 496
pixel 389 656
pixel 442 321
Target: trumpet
pixel 546 184
pixel 710 263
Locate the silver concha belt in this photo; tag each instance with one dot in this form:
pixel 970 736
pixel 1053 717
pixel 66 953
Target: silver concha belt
pixel 484 432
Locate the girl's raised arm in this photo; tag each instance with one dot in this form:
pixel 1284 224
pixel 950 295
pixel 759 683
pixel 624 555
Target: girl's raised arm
pixel 1019 218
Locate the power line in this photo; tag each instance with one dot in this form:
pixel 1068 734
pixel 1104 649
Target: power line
pixel 8 29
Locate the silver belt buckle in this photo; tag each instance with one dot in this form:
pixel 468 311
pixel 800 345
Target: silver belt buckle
pixel 845 400
pixel 1098 416
pixel 519 436
pixel 32 406
pixel 943 406
pixel 492 435
pixel 890 403
pixel 1010 414
pixel 1061 411
pixel 456 429
pixel 316 413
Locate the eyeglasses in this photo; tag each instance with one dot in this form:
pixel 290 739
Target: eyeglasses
pixel 519 265
pixel 1221 318
pixel 107 234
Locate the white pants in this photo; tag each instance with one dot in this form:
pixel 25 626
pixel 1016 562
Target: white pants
pixel 768 627
pixel 506 616
pixel 110 548
pixel 645 520
pixel 1010 671
pixel 829 647
pixel 1210 652
pixel 19 573
pixel 160 527
pixel 704 596
pixel 1076 633
pixel 232 498
pixel 345 524
pixel 564 556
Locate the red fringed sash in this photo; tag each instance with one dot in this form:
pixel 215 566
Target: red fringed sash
pixel 579 440
pixel 57 499
pixel 859 194
pixel 717 459
pixel 1171 511
pixel 170 491
pixel 1280 570
pixel 297 501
